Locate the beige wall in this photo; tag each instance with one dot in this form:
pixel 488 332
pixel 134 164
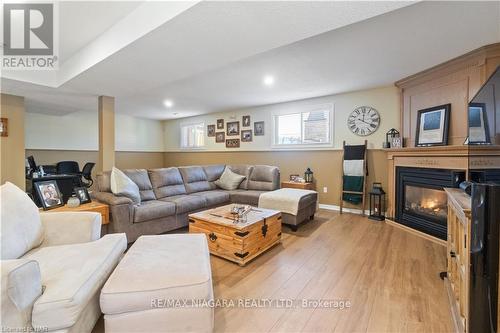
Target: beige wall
pixel 139 160
pixel 12 166
pixel 326 165
pixel 385 100
pixel 79 131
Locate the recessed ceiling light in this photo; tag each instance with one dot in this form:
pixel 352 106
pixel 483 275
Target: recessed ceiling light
pixel 168 103
pixel 268 80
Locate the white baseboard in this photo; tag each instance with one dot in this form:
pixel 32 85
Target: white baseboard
pixel 344 209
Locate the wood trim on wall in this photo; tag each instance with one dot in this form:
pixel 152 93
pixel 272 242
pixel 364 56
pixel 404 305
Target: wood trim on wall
pixel 456 82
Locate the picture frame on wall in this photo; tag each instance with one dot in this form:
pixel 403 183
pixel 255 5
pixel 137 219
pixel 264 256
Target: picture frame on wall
pixel 233 143
pixel 246 136
pixel 479 131
pixel 258 128
pixel 233 128
pixel 245 121
pixel 210 130
pixel 4 127
pixel 433 126
pixel 220 137
pixel 49 194
pixel 220 124
pixel 82 194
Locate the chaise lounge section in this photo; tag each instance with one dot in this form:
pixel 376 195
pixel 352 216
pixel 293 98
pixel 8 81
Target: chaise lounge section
pixel 169 195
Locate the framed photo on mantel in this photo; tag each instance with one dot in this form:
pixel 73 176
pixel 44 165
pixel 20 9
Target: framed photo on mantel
pixel 433 126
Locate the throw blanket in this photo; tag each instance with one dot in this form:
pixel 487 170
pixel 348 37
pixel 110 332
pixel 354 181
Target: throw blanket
pixel 354 184
pixel 354 167
pixel 285 200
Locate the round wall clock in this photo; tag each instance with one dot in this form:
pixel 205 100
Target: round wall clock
pixel 363 121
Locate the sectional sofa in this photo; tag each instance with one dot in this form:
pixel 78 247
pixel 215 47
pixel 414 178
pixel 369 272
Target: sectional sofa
pixel 169 195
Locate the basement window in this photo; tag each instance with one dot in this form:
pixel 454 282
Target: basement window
pixel 307 128
pixel 193 135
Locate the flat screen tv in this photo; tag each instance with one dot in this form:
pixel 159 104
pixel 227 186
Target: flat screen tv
pixel 484 172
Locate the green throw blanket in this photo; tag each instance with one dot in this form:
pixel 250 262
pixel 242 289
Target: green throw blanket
pixel 355 184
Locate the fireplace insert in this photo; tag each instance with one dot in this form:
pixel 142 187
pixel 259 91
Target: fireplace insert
pixel 421 202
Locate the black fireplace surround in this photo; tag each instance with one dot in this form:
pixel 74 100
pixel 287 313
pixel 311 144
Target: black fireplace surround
pixel 421 203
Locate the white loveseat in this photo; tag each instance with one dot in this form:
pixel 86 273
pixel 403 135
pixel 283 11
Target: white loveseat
pixel 53 265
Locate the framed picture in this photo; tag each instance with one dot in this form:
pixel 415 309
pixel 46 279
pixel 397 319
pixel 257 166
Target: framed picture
pixel 246 136
pixel 220 137
pixel 49 194
pixel 82 194
pixel 258 128
pixel 233 143
pixel 479 132
pixel 3 127
pixel 220 124
pixel 210 130
pixel 233 128
pixel 246 121
pixel 293 178
pixel 433 126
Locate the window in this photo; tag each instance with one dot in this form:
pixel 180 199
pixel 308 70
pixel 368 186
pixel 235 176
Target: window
pixel 193 135
pixel 303 128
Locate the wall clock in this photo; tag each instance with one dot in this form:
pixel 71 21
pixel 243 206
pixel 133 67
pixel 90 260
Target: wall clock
pixel 363 121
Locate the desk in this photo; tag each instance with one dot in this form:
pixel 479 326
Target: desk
pixel 94 206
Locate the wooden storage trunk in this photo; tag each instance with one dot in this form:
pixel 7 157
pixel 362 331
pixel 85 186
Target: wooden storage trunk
pixel 238 242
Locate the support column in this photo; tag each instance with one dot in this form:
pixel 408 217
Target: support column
pixel 106 133
pixel 12 151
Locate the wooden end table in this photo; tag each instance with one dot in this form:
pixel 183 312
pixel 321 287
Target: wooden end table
pixel 302 186
pixel 94 206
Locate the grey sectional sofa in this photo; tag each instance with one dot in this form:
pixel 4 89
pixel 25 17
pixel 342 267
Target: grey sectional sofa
pixel 169 195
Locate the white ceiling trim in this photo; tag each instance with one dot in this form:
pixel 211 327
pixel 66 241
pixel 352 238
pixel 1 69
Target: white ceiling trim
pixel 141 21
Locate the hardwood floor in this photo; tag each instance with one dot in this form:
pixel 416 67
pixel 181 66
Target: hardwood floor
pixel 390 277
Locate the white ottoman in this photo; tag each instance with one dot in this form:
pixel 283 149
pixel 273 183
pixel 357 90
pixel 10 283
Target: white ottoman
pixel 148 289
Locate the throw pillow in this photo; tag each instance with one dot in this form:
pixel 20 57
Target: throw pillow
pixel 121 185
pixel 21 225
pixel 229 180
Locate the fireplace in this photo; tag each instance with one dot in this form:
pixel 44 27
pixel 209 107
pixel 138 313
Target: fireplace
pixel 421 203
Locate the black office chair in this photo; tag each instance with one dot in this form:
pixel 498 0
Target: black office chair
pixel 68 168
pixel 87 174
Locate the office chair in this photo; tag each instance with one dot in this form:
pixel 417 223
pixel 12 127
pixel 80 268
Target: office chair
pixel 87 174
pixel 68 168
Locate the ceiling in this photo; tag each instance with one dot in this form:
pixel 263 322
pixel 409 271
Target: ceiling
pixel 80 22
pixel 212 56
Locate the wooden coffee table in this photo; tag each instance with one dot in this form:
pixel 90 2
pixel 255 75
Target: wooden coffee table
pixel 239 242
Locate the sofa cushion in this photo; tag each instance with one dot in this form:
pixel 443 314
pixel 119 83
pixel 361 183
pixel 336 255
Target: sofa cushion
pixel 187 203
pixel 121 185
pixel 244 170
pixel 153 209
pixel 195 179
pixel 215 197
pixel 264 178
pixel 21 227
pixel 72 275
pixel 246 197
pixel 213 173
pixel 159 268
pixel 141 179
pixel 229 180
pixel 103 181
pixel 166 182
